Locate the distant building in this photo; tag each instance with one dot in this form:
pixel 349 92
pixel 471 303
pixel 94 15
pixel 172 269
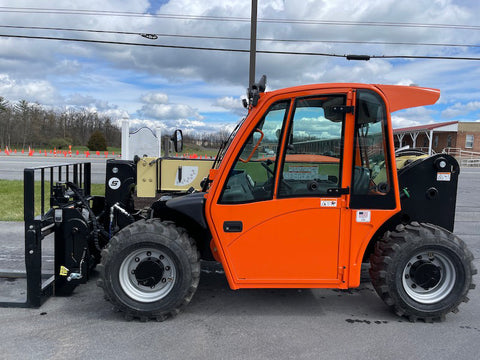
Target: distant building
pixel 455 135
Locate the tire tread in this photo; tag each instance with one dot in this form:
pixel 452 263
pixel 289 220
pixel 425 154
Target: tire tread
pixel 125 237
pixel 393 244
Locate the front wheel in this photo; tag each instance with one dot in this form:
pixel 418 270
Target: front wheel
pixel 422 271
pixel 150 270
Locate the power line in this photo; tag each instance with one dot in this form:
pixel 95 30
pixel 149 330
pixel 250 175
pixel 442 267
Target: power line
pixel 358 42
pixel 7 9
pixel 351 57
pixel 423 57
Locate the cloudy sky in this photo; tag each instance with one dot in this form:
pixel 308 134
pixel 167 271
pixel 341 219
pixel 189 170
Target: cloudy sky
pixel 200 90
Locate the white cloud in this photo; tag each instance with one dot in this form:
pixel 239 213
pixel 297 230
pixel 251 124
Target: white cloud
pixel 406 82
pixel 157 106
pixel 413 117
pixel 459 109
pixel 189 127
pixel 40 91
pixel 232 104
pixel 115 114
pixel 399 122
pixel 228 102
pixel 155 98
pixel 168 111
pixel 192 85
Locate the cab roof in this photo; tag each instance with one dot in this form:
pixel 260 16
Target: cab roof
pixel 398 96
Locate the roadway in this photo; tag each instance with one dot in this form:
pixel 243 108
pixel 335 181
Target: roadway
pixel 247 324
pixel 11 167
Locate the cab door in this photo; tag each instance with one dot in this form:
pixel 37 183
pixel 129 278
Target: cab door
pixel 277 218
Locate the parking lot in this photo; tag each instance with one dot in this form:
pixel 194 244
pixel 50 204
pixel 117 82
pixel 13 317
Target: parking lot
pixel 247 324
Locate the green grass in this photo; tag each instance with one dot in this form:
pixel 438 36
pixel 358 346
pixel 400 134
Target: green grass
pixel 11 198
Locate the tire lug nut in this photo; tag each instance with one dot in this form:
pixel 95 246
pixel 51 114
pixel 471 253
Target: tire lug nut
pixel 161 257
pixel 137 259
pixel 164 280
pixel 149 253
pixel 414 286
pixel 167 268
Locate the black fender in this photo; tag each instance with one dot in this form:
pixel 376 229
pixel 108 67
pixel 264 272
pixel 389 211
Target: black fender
pixel 187 211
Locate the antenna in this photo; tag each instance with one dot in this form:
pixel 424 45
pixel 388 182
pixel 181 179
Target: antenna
pixel 253 43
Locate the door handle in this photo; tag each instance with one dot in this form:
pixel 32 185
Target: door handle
pixel 232 226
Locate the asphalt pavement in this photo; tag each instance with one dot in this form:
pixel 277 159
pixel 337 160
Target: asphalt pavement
pixel 247 324
pixel 12 166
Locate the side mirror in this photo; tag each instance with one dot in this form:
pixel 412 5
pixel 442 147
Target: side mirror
pixel 254 148
pixel 177 139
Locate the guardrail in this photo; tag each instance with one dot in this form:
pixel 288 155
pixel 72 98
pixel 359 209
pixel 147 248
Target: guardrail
pixel 470 162
pixel 457 152
pixel 464 157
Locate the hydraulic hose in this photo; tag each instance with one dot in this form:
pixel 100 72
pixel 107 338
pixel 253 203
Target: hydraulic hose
pixel 97 228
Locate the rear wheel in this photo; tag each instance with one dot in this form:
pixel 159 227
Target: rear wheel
pixel 150 270
pixel 422 271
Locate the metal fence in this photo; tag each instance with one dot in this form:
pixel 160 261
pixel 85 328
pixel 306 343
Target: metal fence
pixel 464 157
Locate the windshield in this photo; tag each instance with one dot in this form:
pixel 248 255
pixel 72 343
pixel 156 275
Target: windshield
pixel 226 144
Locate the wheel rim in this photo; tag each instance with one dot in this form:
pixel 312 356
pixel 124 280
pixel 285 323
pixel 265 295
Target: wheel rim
pixel 428 277
pixel 147 275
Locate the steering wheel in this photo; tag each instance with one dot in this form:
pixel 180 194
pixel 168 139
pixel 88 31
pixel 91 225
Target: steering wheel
pixel 266 164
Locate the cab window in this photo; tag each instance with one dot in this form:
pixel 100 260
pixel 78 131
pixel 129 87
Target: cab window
pixel 252 178
pixel 312 162
pixel 372 176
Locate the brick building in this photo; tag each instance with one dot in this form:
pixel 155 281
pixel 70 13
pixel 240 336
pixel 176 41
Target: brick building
pixel 464 136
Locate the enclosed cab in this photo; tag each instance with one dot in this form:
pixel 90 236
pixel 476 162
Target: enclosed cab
pixel 304 190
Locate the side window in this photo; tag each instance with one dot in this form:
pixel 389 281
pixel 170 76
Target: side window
pixel 449 141
pixel 314 150
pixel 252 177
pixel 372 176
pixel 469 142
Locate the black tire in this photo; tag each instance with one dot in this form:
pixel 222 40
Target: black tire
pixel 150 270
pixel 422 271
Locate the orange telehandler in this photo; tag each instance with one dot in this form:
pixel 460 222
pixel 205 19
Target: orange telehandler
pixel 307 188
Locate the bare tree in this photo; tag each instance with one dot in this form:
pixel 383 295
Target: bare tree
pixel 25 124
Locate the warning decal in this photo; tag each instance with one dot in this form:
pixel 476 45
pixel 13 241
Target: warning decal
pixel 363 216
pixel 443 176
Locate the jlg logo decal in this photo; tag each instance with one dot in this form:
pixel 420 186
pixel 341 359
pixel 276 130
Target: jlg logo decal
pixel 114 183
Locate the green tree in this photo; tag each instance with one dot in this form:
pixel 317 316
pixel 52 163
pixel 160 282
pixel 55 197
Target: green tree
pixel 97 141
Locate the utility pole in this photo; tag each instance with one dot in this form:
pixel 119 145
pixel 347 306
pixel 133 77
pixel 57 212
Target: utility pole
pixel 253 43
